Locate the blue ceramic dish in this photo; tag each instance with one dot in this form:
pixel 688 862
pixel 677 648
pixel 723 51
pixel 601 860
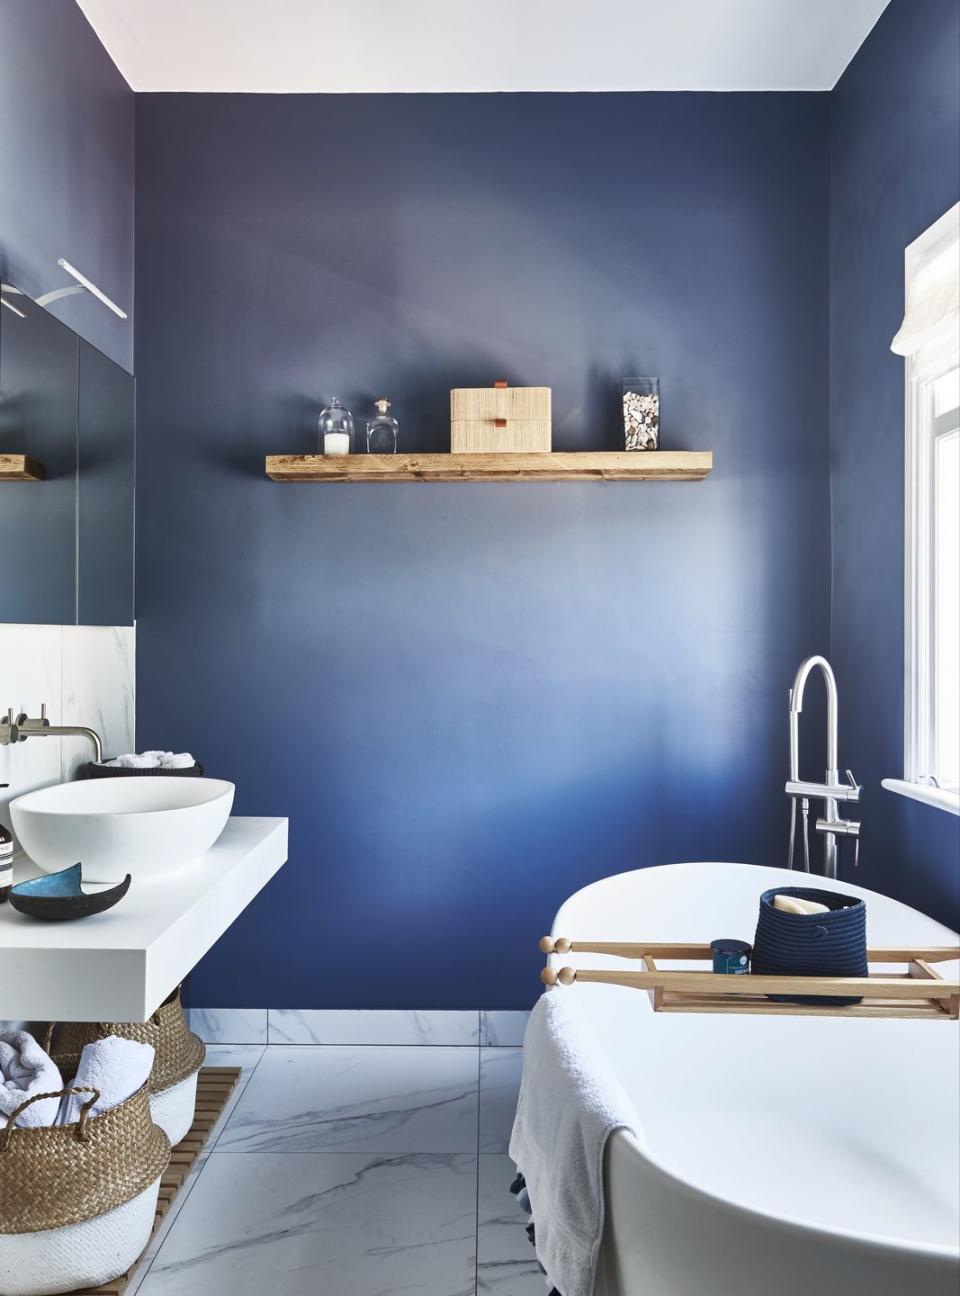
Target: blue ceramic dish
pixel 58 897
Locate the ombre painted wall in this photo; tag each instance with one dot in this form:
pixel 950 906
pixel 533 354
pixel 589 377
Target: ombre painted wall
pixel 473 699
pixel 895 168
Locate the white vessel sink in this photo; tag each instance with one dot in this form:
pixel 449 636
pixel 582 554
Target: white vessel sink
pixel 152 828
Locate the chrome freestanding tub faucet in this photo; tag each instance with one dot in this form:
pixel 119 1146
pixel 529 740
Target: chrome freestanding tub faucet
pixel 831 791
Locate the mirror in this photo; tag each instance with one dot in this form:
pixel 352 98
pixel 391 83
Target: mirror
pixel 105 463
pixel 66 541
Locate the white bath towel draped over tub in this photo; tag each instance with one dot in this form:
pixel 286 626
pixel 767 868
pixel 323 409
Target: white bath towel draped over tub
pixel 570 1104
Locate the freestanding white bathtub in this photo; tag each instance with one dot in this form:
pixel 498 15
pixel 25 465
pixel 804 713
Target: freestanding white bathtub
pixel 775 1155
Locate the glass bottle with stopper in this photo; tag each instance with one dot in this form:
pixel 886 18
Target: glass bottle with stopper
pixel 336 429
pixel 382 431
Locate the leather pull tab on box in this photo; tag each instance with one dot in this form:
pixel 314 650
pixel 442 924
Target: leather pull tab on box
pixel 500 386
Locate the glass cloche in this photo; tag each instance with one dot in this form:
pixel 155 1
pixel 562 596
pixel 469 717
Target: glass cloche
pixel 336 429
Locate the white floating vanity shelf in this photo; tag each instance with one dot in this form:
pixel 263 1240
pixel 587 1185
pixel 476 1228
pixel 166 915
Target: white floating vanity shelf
pixel 634 465
pixel 119 965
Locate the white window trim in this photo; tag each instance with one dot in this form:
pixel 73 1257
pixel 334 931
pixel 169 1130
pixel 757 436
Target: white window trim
pixel 921 369
pixel 934 796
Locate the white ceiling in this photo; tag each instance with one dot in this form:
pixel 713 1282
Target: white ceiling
pixel 340 46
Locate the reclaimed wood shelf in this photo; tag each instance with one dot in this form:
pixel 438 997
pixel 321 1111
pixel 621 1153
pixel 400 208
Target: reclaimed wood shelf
pixel 919 992
pixel 214 1087
pixel 14 467
pixel 620 465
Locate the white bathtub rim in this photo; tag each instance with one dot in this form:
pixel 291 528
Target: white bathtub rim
pixel 640 1146
pixel 876 1241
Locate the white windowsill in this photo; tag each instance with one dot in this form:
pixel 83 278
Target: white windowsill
pixel 944 800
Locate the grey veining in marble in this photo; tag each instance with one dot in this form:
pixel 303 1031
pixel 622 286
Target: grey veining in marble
pixel 336 1224
pixel 506 1264
pixel 98 690
pixel 30 670
pixel 502 1028
pixel 500 1070
pixel 85 674
pixel 246 1057
pixel 229 1025
pixel 384 1100
pixel 373 1026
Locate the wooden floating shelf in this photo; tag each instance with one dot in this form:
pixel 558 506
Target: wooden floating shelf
pixel 634 465
pixel 20 468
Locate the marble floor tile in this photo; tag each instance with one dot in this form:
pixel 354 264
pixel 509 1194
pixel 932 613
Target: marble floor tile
pixel 373 1026
pixel 506 1264
pixel 330 1223
pixel 246 1058
pixel 503 1029
pixel 382 1100
pixel 499 1087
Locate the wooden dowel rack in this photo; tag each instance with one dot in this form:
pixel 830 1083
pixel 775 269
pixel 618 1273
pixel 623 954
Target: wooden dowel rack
pixel 919 992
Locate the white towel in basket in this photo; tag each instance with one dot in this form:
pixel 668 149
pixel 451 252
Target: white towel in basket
pixel 570 1104
pixel 25 1070
pixel 116 1067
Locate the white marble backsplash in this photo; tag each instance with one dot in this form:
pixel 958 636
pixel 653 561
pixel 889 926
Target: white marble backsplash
pixel 85 674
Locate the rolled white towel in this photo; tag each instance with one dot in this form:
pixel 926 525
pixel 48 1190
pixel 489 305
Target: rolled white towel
pixel 133 760
pixel 154 760
pixel 116 1067
pixel 26 1069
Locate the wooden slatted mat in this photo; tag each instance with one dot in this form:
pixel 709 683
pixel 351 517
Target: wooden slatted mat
pixel 214 1087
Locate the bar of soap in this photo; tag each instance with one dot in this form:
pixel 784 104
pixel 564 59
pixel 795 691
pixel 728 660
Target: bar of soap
pixel 794 905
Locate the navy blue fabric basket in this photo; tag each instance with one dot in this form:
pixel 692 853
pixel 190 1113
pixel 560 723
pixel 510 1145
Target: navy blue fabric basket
pixel 822 944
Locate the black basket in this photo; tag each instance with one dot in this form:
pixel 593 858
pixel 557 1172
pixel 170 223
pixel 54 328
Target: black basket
pixel 98 769
pixel 821 944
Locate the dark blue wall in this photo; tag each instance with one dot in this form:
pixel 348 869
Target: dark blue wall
pixel 895 167
pixel 471 700
pixel 66 167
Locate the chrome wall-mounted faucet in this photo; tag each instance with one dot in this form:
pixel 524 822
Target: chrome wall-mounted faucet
pixel 831 791
pixel 17 729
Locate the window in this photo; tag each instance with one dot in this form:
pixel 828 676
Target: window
pixel 930 341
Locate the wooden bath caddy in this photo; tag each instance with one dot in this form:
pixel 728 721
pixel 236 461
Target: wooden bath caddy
pixel 919 992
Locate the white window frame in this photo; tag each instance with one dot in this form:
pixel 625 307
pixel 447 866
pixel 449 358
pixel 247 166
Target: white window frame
pixel 923 367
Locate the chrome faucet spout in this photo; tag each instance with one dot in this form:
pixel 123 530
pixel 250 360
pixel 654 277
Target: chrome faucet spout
pixel 796 706
pixel 17 729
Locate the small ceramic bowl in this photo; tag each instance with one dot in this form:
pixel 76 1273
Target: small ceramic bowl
pixel 58 897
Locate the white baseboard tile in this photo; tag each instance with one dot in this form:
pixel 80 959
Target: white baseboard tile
pixel 492 1028
pixel 501 1028
pixel 373 1026
pixel 229 1025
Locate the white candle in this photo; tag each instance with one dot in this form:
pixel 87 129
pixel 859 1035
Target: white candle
pixel 336 443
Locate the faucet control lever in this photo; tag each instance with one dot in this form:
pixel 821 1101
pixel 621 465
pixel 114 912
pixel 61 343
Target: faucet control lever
pixel 841 827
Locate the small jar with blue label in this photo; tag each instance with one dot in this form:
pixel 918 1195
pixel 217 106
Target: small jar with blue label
pixel 731 957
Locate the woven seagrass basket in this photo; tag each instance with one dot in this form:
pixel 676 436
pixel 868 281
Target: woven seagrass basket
pixel 77 1201
pixel 178 1058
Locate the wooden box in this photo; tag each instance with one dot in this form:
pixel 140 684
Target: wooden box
pixel 499 419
